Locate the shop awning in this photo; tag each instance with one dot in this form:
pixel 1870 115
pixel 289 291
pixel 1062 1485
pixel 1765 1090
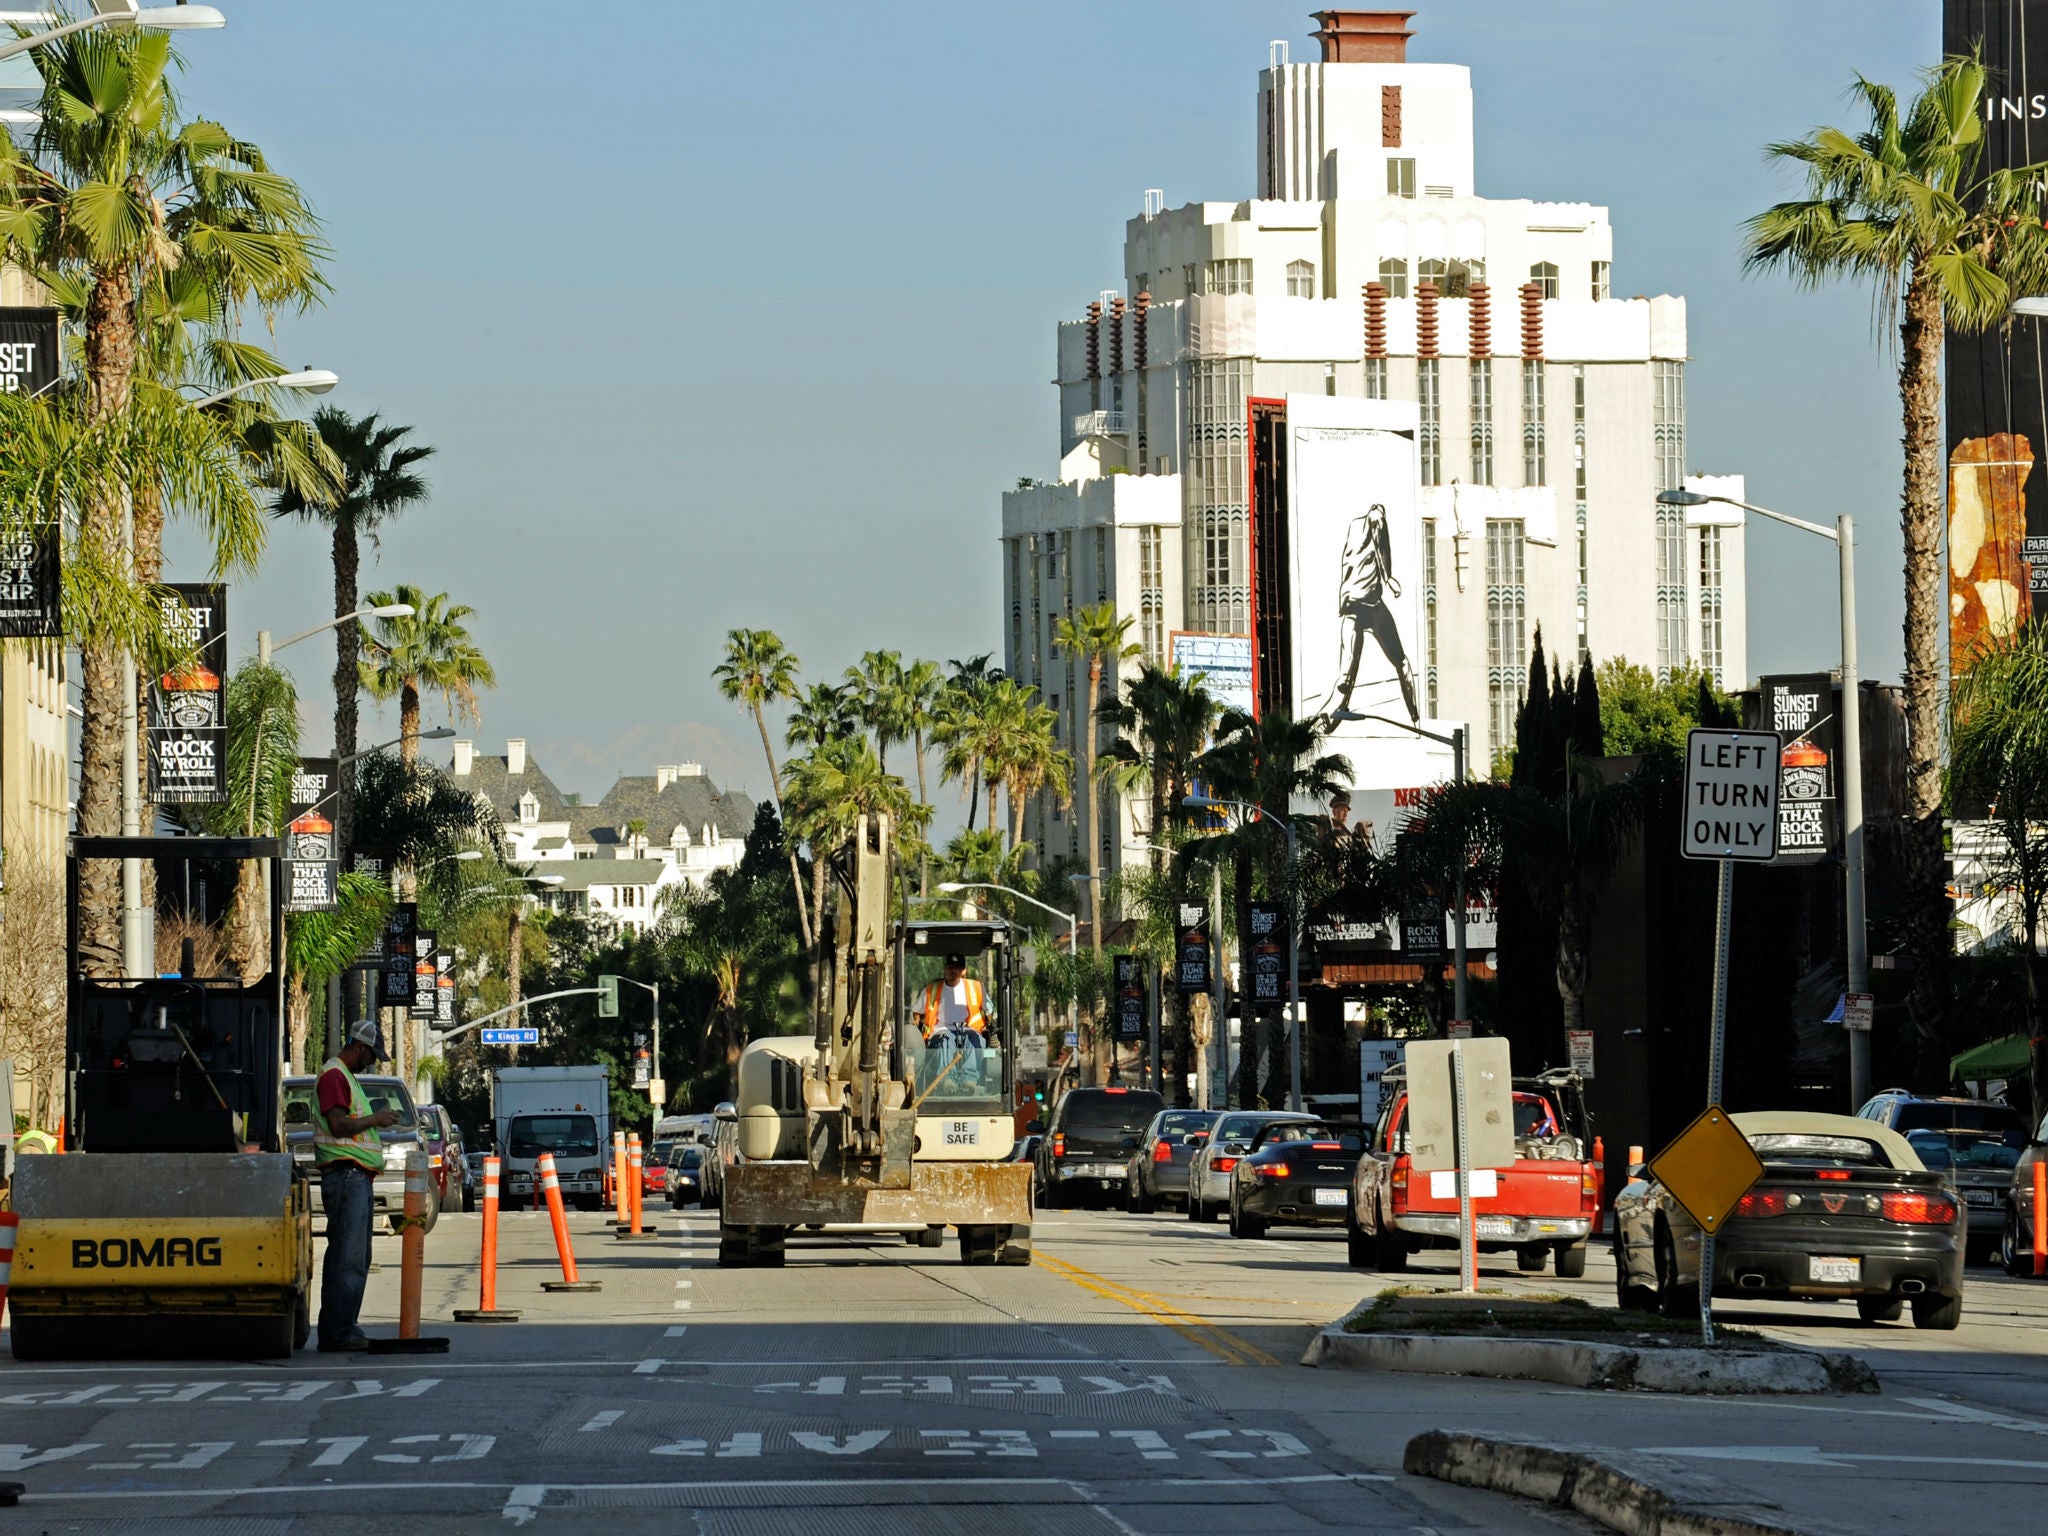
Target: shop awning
pixel 2010 1057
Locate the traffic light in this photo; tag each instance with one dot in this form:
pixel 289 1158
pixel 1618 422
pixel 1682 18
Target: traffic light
pixel 607 997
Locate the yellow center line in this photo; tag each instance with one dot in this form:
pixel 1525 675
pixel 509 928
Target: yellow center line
pixel 1220 1342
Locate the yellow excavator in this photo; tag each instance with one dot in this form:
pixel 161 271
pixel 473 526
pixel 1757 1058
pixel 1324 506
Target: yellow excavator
pixel 174 1223
pixel 867 1126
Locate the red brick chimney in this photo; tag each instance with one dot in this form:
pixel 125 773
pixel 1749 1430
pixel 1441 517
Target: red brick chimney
pixel 1363 37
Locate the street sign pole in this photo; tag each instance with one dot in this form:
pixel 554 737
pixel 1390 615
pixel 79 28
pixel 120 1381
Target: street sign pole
pixel 1717 1034
pixel 1468 1245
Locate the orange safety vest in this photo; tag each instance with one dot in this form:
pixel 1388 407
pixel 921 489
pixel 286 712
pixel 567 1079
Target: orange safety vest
pixel 934 995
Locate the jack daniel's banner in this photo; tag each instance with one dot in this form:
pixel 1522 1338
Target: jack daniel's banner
pixel 312 861
pixel 188 705
pixel 31 568
pixel 1802 710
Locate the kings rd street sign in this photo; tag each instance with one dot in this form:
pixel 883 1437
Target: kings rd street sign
pixel 1731 795
pixel 527 1036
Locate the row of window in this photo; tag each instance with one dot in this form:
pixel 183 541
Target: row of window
pixel 1453 279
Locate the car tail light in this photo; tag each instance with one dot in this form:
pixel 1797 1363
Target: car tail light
pixel 1116 1090
pixel 1833 1174
pixel 1589 1191
pixel 1326 1146
pixel 1397 1188
pixel 1917 1209
pixel 1271 1170
pixel 1222 1164
pixel 1761 1202
pixel 1059 1143
pixel 1161 1152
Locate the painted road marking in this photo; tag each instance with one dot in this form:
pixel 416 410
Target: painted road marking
pixel 1814 1456
pixel 942 1386
pixel 648 1367
pixel 676 1332
pixel 180 1392
pixel 604 1420
pixel 1218 1341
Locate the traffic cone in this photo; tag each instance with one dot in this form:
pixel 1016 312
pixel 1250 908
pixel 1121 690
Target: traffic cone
pixel 635 1188
pixel 553 1190
pixel 487 1310
pixel 412 1268
pixel 619 1174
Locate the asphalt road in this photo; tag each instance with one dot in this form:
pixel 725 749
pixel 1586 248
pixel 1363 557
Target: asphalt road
pixel 1140 1377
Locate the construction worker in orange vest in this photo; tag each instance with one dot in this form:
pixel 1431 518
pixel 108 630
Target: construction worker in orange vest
pixel 954 1010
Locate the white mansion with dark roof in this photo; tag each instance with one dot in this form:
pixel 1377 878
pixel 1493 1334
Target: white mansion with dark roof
pixel 649 833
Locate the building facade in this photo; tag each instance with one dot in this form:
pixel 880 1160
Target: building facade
pixel 1550 411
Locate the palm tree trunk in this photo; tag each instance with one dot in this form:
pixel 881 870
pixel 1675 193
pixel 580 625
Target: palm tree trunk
pixel 110 378
pixel 409 754
pixel 924 856
pixel 347 677
pixel 1091 850
pixel 973 789
pixel 796 879
pixel 1247 1023
pixel 1572 964
pixel 1921 336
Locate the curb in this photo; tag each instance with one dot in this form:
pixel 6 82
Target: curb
pixel 1603 1367
pixel 1603 1486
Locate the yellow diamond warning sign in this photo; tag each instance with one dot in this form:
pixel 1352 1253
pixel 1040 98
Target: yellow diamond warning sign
pixel 1709 1167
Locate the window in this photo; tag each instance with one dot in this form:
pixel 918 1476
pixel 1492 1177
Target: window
pixel 1427 380
pixel 1016 604
pixel 1429 617
pixel 1037 612
pixel 1400 177
pixel 1214 487
pixel 1141 283
pixel 1506 617
pixel 1453 279
pixel 529 809
pixel 1712 658
pixel 1152 595
pixel 1482 421
pixel 1102 565
pixel 1600 272
pixel 1667 380
pixel 1534 470
pixel 1375 378
pixel 1394 277
pixel 1230 275
pixel 1301 279
pixel 1579 489
pixel 1544 276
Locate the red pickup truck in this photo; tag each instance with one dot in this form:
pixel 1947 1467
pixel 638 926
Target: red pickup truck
pixel 1547 1201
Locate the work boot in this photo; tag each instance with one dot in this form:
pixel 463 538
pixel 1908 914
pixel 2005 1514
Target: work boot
pixel 1408 694
pixel 355 1344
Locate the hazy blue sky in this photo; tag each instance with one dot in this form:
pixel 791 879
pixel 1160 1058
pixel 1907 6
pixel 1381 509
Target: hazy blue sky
pixel 743 315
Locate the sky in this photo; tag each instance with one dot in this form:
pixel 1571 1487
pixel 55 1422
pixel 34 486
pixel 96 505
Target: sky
pixel 743 316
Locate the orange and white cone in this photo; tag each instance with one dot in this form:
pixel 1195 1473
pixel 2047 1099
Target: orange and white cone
pixel 552 1188
pixel 488 1311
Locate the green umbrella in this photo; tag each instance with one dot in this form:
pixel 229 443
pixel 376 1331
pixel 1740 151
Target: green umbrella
pixel 2010 1057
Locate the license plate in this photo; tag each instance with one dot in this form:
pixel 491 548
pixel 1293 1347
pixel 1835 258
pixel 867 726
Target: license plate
pixel 1833 1271
pixel 1329 1197
pixel 1979 1197
pixel 1494 1226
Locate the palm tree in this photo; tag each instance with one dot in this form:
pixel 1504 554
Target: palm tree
pixel 1266 761
pixel 876 688
pixel 379 479
pixel 830 789
pixel 1998 769
pixel 822 714
pixel 1906 204
pixel 1031 760
pixel 113 193
pixel 1163 722
pixel 953 723
pixel 759 670
pixel 429 651
pixel 921 689
pixel 1096 635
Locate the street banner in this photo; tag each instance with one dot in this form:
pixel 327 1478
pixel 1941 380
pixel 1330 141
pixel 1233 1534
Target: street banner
pixel 1269 953
pixel 1422 934
pixel 445 1015
pixel 1191 949
pixel 375 862
pixel 31 560
pixel 312 858
pixel 1130 997
pixel 1802 711
pixel 426 971
pixel 401 948
pixel 188 705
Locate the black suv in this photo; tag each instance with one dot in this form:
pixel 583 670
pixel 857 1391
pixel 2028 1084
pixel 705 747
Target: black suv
pixel 1978 1143
pixel 1089 1140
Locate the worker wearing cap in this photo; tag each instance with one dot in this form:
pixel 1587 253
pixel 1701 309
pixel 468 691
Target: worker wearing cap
pixel 349 1154
pixel 955 1008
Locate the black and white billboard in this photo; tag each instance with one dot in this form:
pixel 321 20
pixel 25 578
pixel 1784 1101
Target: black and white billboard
pixel 312 857
pixel 1130 998
pixel 1191 949
pixel 1802 712
pixel 1269 952
pixel 188 704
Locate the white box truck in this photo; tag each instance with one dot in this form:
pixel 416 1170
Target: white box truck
pixel 563 1110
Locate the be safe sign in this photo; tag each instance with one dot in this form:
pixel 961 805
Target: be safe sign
pixel 1731 795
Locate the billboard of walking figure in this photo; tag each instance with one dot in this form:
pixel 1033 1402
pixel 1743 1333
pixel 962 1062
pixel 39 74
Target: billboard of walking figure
pixel 1354 561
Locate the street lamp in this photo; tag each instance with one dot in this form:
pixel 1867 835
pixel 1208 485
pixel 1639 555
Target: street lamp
pixel 1286 824
pixel 264 644
pixel 1460 990
pixel 123 13
pixel 308 381
pixel 1857 941
pixel 954 887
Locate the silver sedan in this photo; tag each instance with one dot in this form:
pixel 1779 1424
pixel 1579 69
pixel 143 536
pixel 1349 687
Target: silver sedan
pixel 1229 1139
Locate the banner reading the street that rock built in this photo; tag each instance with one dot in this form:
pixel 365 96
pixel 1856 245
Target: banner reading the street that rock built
pixel 31 561
pixel 312 860
pixel 188 705
pixel 1802 711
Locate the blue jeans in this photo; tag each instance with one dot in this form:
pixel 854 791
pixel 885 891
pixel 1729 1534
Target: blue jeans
pixel 345 1195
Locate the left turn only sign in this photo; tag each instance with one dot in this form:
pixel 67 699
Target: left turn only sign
pixel 1731 795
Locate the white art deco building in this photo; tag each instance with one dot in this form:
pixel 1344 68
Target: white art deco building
pixel 1550 412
